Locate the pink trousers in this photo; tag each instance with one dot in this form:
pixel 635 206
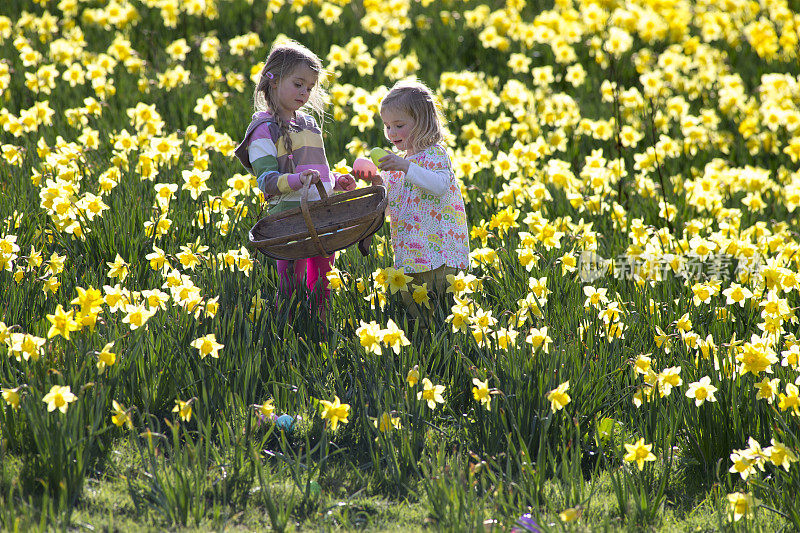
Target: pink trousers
pixel 314 270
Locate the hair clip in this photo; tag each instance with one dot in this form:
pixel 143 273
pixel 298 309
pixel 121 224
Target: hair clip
pixel 269 75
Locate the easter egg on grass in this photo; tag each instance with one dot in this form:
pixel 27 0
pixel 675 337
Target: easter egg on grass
pixel 285 422
pixel 366 166
pixel 376 154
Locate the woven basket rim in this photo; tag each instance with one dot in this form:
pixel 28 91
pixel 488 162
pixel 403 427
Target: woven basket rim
pixel 325 242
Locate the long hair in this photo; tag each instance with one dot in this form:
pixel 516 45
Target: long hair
pixel 283 59
pixel 416 100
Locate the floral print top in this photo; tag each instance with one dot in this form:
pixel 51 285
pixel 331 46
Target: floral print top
pixel 427 231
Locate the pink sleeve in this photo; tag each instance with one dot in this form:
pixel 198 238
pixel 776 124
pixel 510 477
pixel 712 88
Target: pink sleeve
pixel 294 182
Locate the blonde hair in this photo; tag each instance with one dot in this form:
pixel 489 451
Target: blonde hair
pixel 416 100
pixel 284 57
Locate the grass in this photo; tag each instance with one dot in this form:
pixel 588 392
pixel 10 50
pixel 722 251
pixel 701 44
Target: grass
pixel 106 505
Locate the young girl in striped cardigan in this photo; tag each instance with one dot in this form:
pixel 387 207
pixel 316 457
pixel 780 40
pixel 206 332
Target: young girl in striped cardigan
pixel 283 148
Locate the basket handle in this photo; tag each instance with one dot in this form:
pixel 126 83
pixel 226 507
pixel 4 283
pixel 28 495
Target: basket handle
pixel 307 216
pixel 323 194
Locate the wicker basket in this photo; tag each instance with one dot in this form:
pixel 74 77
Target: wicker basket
pixel 321 228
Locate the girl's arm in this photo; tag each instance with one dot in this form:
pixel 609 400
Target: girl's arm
pixel 436 182
pixel 343 182
pixel 374 179
pixel 264 160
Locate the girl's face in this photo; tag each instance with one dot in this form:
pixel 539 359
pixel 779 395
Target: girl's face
pixel 293 90
pixel 397 127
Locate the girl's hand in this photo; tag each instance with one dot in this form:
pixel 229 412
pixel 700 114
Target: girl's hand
pixel 309 175
pixel 375 179
pixel 363 175
pixel 393 162
pixel 346 182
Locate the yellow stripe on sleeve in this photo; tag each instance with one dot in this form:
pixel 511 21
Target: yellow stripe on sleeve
pixel 283 184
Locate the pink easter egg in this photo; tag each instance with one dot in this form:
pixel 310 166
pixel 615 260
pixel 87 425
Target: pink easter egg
pixel 362 164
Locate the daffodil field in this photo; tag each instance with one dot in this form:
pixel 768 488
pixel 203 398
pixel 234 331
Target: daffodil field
pixel 623 353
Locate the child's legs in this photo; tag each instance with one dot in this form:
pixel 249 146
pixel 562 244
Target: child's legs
pixel 417 278
pixel 317 279
pixel 439 281
pixel 436 282
pixel 290 274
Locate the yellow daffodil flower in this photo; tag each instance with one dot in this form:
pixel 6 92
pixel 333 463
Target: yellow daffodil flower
pixel 335 412
pixel 59 398
pixel 558 397
pixel 639 453
pixel 431 393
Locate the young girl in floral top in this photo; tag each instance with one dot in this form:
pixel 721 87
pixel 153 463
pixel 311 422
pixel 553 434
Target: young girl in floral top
pixel 427 218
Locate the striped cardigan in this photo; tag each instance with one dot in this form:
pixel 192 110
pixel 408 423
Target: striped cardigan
pixel 263 153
